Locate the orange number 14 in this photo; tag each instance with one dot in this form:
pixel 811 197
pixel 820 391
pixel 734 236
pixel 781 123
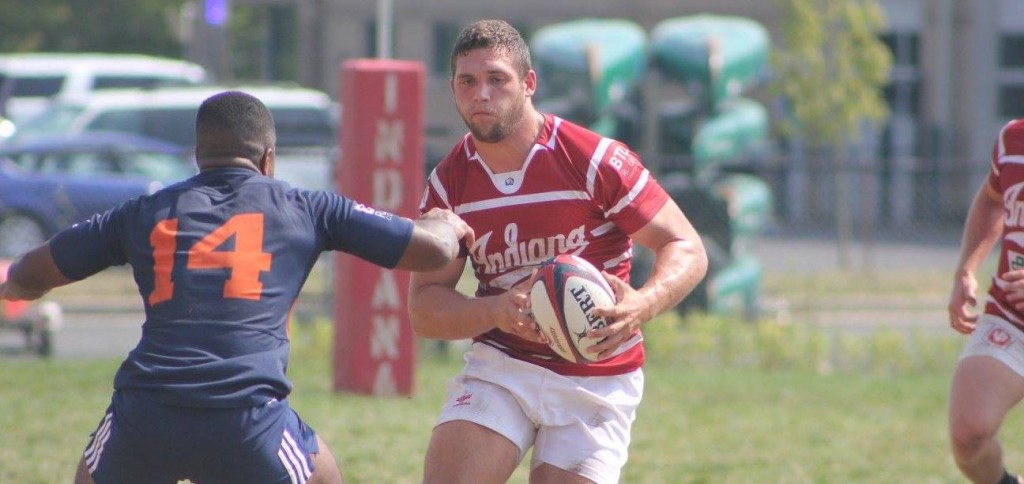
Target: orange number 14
pixel 246 261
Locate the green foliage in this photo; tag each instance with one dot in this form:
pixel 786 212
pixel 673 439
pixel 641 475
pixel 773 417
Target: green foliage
pixel 139 26
pixel 776 345
pixel 831 68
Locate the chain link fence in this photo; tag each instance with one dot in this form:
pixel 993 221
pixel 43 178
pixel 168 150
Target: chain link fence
pixel 896 197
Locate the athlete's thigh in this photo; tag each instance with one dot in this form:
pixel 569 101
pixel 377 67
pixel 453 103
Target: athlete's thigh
pixel 989 378
pixel 984 389
pixel 481 436
pixel 82 473
pixel 464 452
pixel 325 467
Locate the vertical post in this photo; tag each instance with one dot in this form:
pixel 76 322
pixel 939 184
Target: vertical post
pixel 384 22
pixel 381 165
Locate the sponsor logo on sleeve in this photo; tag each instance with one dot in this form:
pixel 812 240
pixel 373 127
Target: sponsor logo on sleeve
pixel 371 211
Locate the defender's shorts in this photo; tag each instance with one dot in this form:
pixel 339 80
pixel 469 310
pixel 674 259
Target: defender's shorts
pixel 141 441
pixel 995 337
pixel 580 424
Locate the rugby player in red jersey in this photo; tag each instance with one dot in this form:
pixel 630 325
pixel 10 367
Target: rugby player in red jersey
pixel 989 378
pixel 532 185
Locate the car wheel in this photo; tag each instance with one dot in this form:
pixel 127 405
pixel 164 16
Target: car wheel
pixel 19 234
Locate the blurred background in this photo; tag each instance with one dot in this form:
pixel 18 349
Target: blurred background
pixel 802 137
pixel 826 150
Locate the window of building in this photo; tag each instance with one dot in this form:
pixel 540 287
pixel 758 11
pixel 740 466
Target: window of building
pixel 445 34
pixel 1011 51
pixel 371 38
pixel 903 95
pixel 903 92
pixel 1011 75
pixel 1011 101
pixel 372 49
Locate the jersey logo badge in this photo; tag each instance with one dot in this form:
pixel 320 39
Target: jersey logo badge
pixel 999 338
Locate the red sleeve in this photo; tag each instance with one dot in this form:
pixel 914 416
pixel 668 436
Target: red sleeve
pixel 627 191
pixel 1009 147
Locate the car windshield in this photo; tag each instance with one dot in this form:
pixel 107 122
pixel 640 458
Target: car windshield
pixel 32 86
pixel 302 127
pixel 102 163
pixel 156 166
pixel 140 81
pixel 56 120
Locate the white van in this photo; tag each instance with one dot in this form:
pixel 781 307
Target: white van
pixel 30 81
pixel 305 119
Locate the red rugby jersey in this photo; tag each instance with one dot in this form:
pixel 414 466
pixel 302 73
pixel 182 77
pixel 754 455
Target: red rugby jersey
pixel 577 193
pixel 1006 176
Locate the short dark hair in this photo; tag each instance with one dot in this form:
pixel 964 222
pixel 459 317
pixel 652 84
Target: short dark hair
pixel 236 124
pixel 496 34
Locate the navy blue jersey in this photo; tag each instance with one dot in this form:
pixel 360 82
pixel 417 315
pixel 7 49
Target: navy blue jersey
pixel 219 260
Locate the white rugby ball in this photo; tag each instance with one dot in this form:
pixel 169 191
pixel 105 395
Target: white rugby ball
pixel 563 298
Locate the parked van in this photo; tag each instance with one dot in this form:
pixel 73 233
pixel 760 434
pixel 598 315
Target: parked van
pixel 306 122
pixel 30 81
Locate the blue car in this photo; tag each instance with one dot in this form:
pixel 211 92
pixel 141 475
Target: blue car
pixel 47 184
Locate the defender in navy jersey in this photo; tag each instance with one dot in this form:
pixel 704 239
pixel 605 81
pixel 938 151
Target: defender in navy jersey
pixel 219 259
pixel 533 186
pixel 989 377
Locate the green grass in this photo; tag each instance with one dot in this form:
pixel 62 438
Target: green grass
pixel 724 401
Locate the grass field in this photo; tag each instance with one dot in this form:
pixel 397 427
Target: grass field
pixel 724 401
pixel 763 414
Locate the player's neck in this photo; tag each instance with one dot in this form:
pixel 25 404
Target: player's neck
pixel 510 153
pixel 209 163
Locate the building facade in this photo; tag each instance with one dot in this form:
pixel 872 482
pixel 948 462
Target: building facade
pixel 958 64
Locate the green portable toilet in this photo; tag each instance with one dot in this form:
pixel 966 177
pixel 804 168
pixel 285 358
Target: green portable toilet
pixel 749 201
pixel 719 55
pixel 736 133
pixel 590 71
pixel 730 208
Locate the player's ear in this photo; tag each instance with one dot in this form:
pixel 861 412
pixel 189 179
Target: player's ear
pixel 531 82
pixel 266 164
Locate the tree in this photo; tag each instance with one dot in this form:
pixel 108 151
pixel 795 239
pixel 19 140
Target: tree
pixel 830 70
pixel 138 26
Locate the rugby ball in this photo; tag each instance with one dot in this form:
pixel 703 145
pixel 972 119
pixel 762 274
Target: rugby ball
pixel 564 295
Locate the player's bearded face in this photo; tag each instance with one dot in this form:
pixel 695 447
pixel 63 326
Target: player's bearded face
pixel 508 113
pixel 489 94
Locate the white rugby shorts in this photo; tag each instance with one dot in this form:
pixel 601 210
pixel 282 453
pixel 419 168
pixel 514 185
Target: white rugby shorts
pixel 999 339
pixel 580 424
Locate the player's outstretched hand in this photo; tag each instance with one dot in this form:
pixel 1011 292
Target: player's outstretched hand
pixel 623 319
pixel 516 317
pixel 463 232
pixel 961 301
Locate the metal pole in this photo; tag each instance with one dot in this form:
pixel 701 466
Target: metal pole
pixel 385 12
